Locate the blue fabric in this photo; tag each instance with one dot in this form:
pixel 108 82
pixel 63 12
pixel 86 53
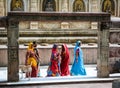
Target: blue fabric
pixel 78 67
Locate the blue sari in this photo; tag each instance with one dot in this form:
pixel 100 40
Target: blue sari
pixel 78 66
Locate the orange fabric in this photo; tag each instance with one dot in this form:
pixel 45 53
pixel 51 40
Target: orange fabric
pixel 32 61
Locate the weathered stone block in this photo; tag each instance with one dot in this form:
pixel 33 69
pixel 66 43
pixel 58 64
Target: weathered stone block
pixel 33 25
pixel 65 25
pixel 116 84
pixel 94 25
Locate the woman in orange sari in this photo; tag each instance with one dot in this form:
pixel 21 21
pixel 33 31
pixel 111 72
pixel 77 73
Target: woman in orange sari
pixel 65 60
pixel 31 60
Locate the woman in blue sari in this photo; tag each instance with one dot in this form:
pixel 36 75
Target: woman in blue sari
pixel 78 64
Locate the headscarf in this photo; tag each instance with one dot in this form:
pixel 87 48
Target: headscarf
pixel 77 46
pixel 66 50
pixel 30 46
pixel 54 48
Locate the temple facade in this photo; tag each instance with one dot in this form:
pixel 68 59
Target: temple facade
pixel 110 6
pixel 57 31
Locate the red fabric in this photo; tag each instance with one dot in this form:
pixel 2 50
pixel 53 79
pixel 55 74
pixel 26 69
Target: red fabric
pixel 34 72
pixel 55 58
pixel 65 61
pixel 54 66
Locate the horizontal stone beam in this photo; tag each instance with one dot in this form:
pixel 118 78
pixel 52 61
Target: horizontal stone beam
pixel 49 16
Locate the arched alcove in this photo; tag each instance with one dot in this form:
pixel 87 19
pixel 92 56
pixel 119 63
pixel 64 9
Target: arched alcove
pixel 49 5
pixel 78 6
pixel 108 6
pixel 17 5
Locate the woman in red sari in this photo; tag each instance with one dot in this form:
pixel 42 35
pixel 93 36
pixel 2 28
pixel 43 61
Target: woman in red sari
pixel 54 66
pixel 31 60
pixel 65 60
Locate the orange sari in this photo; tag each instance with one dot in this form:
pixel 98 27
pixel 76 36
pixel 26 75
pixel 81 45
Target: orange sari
pixel 31 59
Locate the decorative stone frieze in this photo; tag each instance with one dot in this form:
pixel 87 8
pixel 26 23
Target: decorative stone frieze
pixel 34 25
pixel 65 25
pixel 94 25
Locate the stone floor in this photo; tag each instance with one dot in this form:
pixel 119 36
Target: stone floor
pixel 90 69
pixel 75 85
pixel 91 77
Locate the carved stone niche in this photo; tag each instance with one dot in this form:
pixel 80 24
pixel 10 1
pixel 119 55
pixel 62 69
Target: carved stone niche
pixel 65 25
pixel 33 25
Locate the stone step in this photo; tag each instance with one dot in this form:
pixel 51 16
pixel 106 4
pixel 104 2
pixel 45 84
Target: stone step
pixel 51 40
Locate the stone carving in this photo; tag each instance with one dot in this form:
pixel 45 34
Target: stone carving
pixel 49 7
pixel 94 25
pixel 33 7
pixel 2 9
pixel 17 5
pixel 64 6
pixel 64 25
pixel 13 52
pixel 108 6
pixel 114 52
pixel 94 6
pixel 114 37
pixel 79 6
pixel 80 25
pixel 33 25
pixel 49 25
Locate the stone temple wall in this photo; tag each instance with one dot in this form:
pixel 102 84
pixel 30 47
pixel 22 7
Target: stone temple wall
pixel 45 53
pixel 64 6
pixel 60 6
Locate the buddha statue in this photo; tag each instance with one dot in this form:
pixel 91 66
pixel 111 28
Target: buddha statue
pixel 79 6
pixel 49 7
pixel 107 6
pixel 17 6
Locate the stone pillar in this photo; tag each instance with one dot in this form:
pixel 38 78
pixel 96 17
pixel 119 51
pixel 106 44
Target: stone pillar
pixel 64 6
pixel 103 50
pixel 94 5
pixel 34 6
pixel 2 8
pixel 119 8
pixel 13 47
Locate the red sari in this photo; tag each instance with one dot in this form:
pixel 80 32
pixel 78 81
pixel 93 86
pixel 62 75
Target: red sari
pixel 54 66
pixel 65 60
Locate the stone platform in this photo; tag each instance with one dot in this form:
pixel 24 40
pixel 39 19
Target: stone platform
pixel 91 77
